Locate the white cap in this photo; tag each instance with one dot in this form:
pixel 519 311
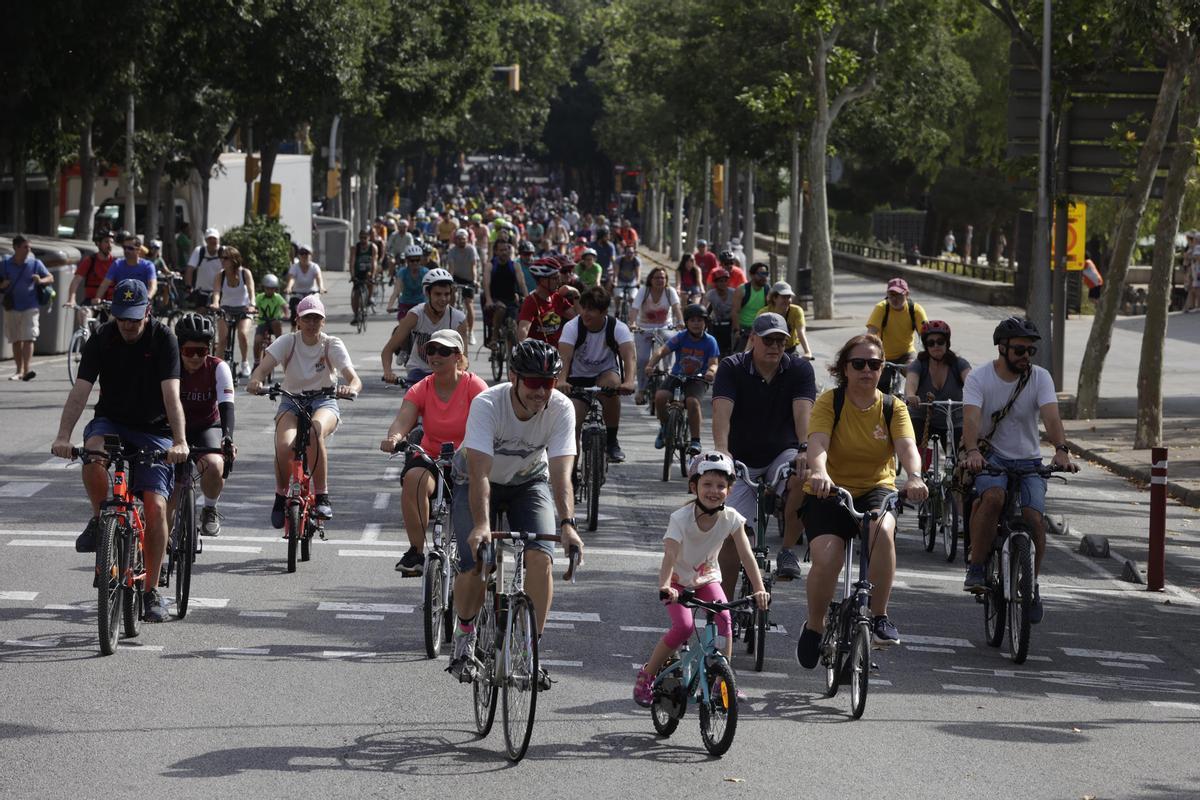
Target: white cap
pixel 212 233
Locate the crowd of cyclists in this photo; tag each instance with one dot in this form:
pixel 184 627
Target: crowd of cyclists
pixel 587 313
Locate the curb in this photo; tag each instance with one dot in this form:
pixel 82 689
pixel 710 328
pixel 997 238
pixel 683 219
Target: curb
pixel 1189 497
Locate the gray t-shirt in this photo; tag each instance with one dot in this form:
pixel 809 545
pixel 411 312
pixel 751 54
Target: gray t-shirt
pixel 1016 436
pixel 463 263
pixel 951 390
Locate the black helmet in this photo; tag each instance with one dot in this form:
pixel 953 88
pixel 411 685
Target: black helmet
pixel 1015 328
pixel 726 256
pixel 193 327
pixel 694 310
pixel 526 247
pixel 534 358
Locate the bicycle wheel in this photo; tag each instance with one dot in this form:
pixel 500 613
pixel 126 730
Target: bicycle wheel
pixel 993 601
pixel 669 443
pixel 109 592
pixel 949 524
pixel 1020 594
pixel 521 681
pixel 928 517
pixel 451 570
pixel 832 654
pixel 761 626
pixel 497 361
pixel 484 689
pixel 435 615
pixel 595 478
pixel 860 668
pixel 652 387
pixel 184 552
pixel 664 721
pixel 682 440
pixel 292 533
pixel 718 717
pixel 306 540
pixel 75 353
pixel 132 563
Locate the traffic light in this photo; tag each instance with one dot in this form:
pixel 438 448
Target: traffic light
pixel 514 78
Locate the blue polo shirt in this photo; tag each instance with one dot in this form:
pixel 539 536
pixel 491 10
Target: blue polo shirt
pixel 761 425
pixel 20 278
pixel 121 269
pixel 692 354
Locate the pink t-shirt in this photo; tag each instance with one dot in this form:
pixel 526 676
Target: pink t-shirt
pixel 444 422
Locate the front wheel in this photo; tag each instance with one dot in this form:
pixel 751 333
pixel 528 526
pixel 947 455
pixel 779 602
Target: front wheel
pixel 75 354
pixel 761 625
pixel 497 360
pixel 860 669
pixel 993 602
pixel 485 689
pixel 949 525
pixel 521 678
pixel 185 550
pixel 435 614
pixel 1020 596
pixel 669 443
pixel 832 654
pixel 718 717
pixel 133 563
pixel 109 592
pixel 928 517
pixel 595 478
pixel 293 533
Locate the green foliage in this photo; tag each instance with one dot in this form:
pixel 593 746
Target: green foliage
pixel 264 244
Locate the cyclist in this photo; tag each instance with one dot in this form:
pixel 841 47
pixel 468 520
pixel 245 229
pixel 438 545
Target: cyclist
pixel 421 322
pixel 303 278
pixel 408 291
pixel 441 401
pixel 705 259
pixel 779 301
pixel 627 272
pixel 853 443
pixel 526 255
pixel 939 372
pixel 905 318
pixel 737 275
pixel 557 234
pixel 761 401
pixel 597 350
pixel 132 266
pixel 606 252
pixel 689 281
pixel 503 288
pixel 364 265
pixel 206 392
pixel 270 314
pixel 202 267
pixel 656 306
pixel 516 455
pixel 546 309
pixel 90 273
pixel 233 294
pixel 719 300
pixel 463 262
pixel 167 296
pixel 136 361
pixel 748 300
pixel 399 240
pixel 311 360
pixel 588 270
pixel 1012 392
pixel 696 354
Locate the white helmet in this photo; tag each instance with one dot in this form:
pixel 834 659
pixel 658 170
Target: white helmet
pixel 436 276
pixel 269 281
pixel 711 461
pixel 413 251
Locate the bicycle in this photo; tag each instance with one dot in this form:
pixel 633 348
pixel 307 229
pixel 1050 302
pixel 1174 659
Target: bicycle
pixel 441 562
pixel 678 438
pixel 753 623
pixel 894 377
pixel 624 296
pixel 79 338
pixel 120 552
pixel 1009 576
pixel 231 329
pixel 846 643
pixel 506 340
pixel 360 297
pixel 506 644
pixel 702 674
pixel 938 516
pixel 185 543
pixel 591 467
pixel 656 381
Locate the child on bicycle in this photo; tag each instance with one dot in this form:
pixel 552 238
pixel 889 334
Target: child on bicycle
pixel 270 305
pixel 693 539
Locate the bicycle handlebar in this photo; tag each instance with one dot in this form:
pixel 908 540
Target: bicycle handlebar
pixel 274 391
pixel 687 599
pixel 582 392
pixel 132 454
pixel 782 473
pixel 892 500
pixel 573 553
pixel 398 380
pixel 1040 470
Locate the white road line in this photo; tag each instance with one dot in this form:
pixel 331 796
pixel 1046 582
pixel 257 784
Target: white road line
pixel 231 548
pixel 552 662
pixel 1111 655
pixel 39 533
pixel 570 626
pixel 41 543
pixel 923 649
pixel 381 500
pixel 610 551
pixel 244 651
pixel 955 687
pixel 369 608
pixel 18 595
pixel 63 607
pixel 366 617
pixel 1038 658
pixel 208 602
pixel 57 463
pixel 27 643
pixel 1171 704
pixel 940 641
pixel 370 553
pixel 573 616
pixel 1122 664
pixel 929 576
pixel 144 648
pixel 778 629
pixel 641 629
pixel 391 473
pixel 266 614
pixel 1072 697
pixel 345 654
pixel 880 682
pixel 22 488
pixel 371 530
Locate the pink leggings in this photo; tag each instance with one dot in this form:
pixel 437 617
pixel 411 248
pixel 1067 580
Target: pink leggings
pixel 682 620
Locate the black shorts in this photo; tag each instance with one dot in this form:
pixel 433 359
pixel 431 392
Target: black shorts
pixel 829 518
pixel 265 325
pixel 204 438
pixel 429 465
pixel 465 288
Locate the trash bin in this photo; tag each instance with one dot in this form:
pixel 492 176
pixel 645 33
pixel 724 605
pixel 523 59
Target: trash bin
pixel 56 323
pixel 333 241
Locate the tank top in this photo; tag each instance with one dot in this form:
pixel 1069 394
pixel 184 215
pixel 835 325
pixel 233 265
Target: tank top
pixel 235 296
pixel 504 281
pixel 426 328
pixel 362 259
pixel 751 304
pixel 198 394
pixel 687 280
pixel 413 292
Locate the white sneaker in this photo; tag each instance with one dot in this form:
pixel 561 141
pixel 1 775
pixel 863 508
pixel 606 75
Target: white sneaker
pixel 472 338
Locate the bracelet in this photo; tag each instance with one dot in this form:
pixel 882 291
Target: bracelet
pixel 803 447
pixel 974 450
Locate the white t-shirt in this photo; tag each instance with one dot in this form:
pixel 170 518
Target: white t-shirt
pixel 310 367
pixel 1016 436
pixel 303 282
pixel 520 449
pixel 651 313
pixel 697 563
pixel 397 243
pixel 207 266
pixel 596 357
pixel 424 330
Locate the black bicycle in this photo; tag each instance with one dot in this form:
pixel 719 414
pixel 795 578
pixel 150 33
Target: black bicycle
pixel 677 436
pixel 184 543
pixel 591 467
pixel 752 623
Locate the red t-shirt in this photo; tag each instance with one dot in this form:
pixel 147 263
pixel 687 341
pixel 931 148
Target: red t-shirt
pixel 92 269
pixel 737 276
pixel 707 263
pixel 444 422
pixel 546 318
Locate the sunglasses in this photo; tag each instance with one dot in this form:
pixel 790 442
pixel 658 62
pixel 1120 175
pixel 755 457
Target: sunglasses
pixel 538 383
pixel 1019 350
pixel 129 247
pixel 774 341
pixel 935 342
pixel 874 364
pixel 433 349
pixel 758 274
pixel 194 352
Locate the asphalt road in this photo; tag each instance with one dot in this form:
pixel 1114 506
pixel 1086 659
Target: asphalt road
pixel 316 683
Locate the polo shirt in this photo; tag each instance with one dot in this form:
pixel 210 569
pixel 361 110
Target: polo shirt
pixel 761 425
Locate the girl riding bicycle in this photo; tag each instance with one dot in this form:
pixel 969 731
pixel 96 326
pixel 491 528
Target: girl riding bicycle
pixel 693 539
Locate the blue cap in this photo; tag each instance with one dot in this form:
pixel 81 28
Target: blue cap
pixel 130 299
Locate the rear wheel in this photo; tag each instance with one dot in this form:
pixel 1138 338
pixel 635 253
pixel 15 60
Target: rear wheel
pixel 993 602
pixel 497 360
pixel 108 583
pixel 832 655
pixel 435 615
pixel 682 440
pixel 595 478
pixel 669 443
pixel 652 387
pixel 1020 594
pixel 660 710
pixel 306 540
pixel 75 354
pixel 484 689
pixel 133 563
pixel 718 717
pixel 293 533
pixel 860 668
pixel 949 524
pixel 521 682
pixel 185 549
pixel 761 626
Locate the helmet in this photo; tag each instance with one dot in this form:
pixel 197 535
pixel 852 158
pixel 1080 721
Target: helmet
pixel 526 247
pixel 193 327
pixel 695 310
pixel 544 268
pixel 711 461
pixel 365 232
pixel 1014 328
pixel 413 251
pixel 535 359
pixel 718 273
pixel 602 230
pixel 589 252
pixel 935 326
pixel 436 276
pixel 426 248
pixel 270 281
pixel 726 256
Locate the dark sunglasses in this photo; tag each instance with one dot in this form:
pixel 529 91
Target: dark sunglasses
pixel 759 274
pixel 538 383
pixel 194 352
pixel 1019 350
pixel 433 349
pixel 874 364
pixel 129 247
pixel 774 341
pixel 935 342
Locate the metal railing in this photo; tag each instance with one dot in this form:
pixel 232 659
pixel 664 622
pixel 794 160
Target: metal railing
pixel 950 266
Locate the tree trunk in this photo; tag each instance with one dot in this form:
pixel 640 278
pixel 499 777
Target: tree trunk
pixel 267 153
pixel 153 198
pixel 128 181
pixel 677 215
pixel 19 172
pixel 821 256
pixel 167 192
pixel 693 222
pixel 1128 219
pixel 248 195
pixel 748 215
pixel 87 182
pixel 1149 383
pixel 706 207
pixel 727 192
pixel 795 212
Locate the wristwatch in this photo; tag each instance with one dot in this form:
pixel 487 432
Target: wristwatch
pixel 1062 447
pixel 803 447
pixel 568 521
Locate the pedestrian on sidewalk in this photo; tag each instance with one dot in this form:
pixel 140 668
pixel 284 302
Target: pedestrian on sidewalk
pixel 20 275
pixel 896 321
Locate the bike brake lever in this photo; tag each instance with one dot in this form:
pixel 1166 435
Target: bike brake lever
pixel 572 563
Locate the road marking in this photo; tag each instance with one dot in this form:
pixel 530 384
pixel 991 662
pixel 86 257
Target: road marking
pixel 879 682
pixel 244 651
pixel 551 662
pixel 768 675
pixel 58 463
pixel 371 531
pixel 370 553
pixel 1172 704
pixel 391 473
pixel 145 648
pixel 1111 655
pixel 22 488
pixel 570 626
pixel 345 654
pixel 41 543
pixel 18 595
pixel 366 617
pixel 1072 697
pixel 1192 612
pixel 929 576
pixel 231 548
pixel 1123 664
pixel 940 641
pixel 370 608
pixel 208 602
pixel 27 643
pixel 640 629
pixel 268 614
pixel 63 607
pixel 39 533
pixel 775 628
pixel 1038 658
pixel 925 649
pixel 381 500
pixel 955 687
pixel 609 551
pixel 573 616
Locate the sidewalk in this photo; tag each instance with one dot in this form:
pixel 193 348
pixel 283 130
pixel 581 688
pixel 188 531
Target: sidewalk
pixel 1108 442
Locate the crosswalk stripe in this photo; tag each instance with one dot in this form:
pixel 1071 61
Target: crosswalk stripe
pixel 1174 704
pixel 554 662
pixel 1111 655
pixel 956 687
pixel 28 643
pixel 244 651
pixel 266 614
pixel 570 626
pixel 377 608
pixel 345 654
pixel 208 602
pixel 136 647
pixel 926 649
pixel 370 553
pixel 371 531
pixel 641 629
pixel 381 500
pixel 231 548
pixel 18 595
pixel 940 641
pixel 366 617
pixel 573 616
pixel 41 543
pixel 1123 664
pixel 22 488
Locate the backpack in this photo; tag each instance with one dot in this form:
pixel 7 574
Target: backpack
pixel 839 400
pixel 288 358
pixel 748 287
pixel 610 339
pixel 912 316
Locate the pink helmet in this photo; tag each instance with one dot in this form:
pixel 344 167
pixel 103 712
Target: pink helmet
pixel 310 305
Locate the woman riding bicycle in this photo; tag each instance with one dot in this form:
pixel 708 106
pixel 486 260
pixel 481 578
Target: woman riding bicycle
pixel 853 440
pixel 656 305
pixel 303 278
pixel 779 301
pixel 311 361
pixel 689 280
pixel 719 299
pixel 938 372
pixel 407 291
pixel 441 401
pixel 233 294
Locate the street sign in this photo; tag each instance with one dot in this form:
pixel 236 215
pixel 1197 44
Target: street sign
pixel 1076 238
pixel 276 196
pixel 718 185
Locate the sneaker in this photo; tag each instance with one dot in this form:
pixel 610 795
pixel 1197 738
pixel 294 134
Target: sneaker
pixel 660 440
pixel 615 453
pixel 643 689
pixel 154 606
pixel 411 564
pixel 883 632
pixel 277 512
pixel 1036 609
pixel 639 397
pixel 693 447
pixel 787 566
pixel 323 509
pixel 462 663
pixel 544 680
pixel 472 338
pixel 28 376
pixel 86 541
pixel 808 649
pixel 975 582
pixel 210 521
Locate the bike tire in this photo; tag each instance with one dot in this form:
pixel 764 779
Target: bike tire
pixel 132 563
pixel 1020 596
pixel 435 615
pixel 761 625
pixel 652 387
pixel 75 354
pixel 109 592
pixel 451 563
pixel 860 668
pixel 596 478
pixel 834 662
pixel 185 549
pixel 949 525
pixel 682 440
pixel 484 690
pixel 664 723
pixel 669 444
pixel 928 518
pixel 306 546
pixel 718 717
pixel 497 361
pixel 994 609
pixel 292 533
pixel 521 683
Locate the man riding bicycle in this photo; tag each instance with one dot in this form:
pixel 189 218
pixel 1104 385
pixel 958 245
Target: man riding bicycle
pixel 364 266
pixel 696 355
pixel 517 455
pixel 896 320
pixel 503 288
pixel 422 322
pixel 547 309
pixel 463 262
pixel 1012 393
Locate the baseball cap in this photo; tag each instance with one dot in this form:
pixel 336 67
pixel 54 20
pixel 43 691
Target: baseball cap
pixel 783 288
pixel 701 243
pixel 130 299
pixel 898 285
pixel 310 305
pixel 212 233
pixel 448 337
pixel 156 244
pixel 766 324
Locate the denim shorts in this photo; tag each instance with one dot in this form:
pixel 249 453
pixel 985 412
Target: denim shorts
pixel 416 374
pixel 1033 487
pixel 528 507
pixel 158 478
pixel 314 405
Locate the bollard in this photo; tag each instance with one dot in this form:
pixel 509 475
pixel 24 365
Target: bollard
pixel 1156 562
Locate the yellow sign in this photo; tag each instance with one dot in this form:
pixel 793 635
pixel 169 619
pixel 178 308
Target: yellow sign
pixel 333 182
pixel 1076 238
pixel 276 194
pixel 718 185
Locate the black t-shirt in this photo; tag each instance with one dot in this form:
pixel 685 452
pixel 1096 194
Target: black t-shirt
pixel 131 375
pixel 761 425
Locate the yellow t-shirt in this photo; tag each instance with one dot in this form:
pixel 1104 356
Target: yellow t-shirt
pixel 898 337
pixel 860 455
pixel 795 322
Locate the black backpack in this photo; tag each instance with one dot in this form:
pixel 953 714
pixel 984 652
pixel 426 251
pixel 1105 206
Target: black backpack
pixel 839 400
pixel 610 339
pixel 912 316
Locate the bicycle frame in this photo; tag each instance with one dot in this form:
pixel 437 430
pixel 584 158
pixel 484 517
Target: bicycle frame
pixel 856 595
pixel 690 668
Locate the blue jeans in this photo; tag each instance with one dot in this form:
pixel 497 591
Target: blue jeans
pixel 1033 487
pixel 158 478
pixel 528 507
